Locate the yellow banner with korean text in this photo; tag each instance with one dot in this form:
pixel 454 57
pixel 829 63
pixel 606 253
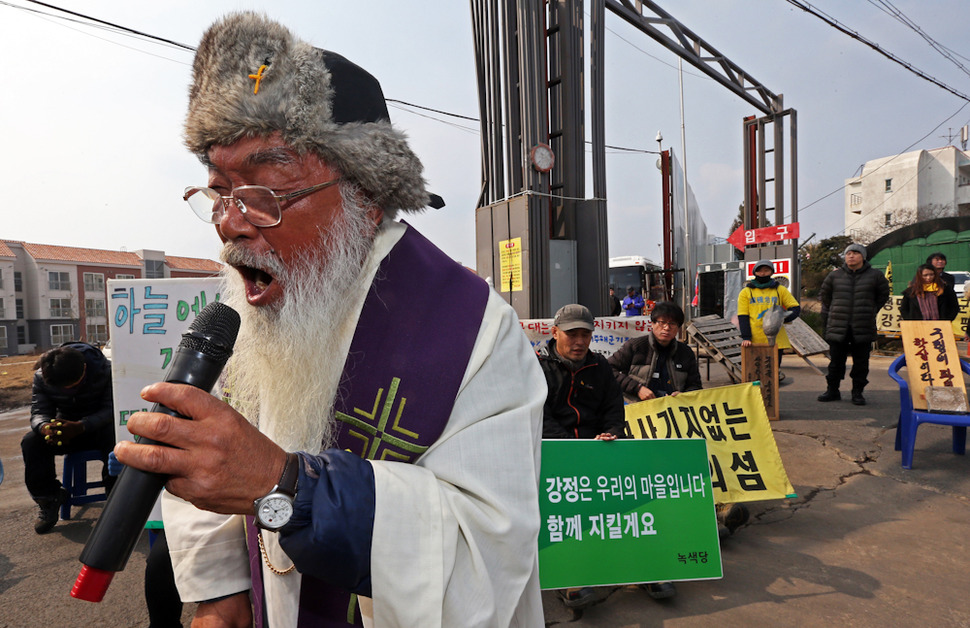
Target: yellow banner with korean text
pixel 744 459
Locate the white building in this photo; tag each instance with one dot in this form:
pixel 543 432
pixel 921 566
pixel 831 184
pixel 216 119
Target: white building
pixel 893 192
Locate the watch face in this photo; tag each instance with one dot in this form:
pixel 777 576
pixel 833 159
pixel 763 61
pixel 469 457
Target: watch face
pixel 275 511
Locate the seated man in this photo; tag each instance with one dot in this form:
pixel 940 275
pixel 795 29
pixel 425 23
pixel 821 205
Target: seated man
pixel 657 364
pixel 71 411
pixel 584 400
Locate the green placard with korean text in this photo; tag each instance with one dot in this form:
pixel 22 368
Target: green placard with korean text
pixel 625 512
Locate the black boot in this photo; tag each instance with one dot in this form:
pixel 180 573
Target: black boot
pixel 830 394
pixel 857 397
pixel 49 511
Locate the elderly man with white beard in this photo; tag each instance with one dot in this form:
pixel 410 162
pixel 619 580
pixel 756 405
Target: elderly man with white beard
pixel 377 460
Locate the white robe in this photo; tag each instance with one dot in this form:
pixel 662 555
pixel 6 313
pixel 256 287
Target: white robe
pixel 455 533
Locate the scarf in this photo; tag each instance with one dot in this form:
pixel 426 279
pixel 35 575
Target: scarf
pixel 928 305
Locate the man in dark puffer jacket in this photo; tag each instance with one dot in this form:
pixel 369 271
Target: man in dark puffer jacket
pixel 851 297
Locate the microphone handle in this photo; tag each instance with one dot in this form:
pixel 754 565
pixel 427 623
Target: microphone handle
pixel 131 500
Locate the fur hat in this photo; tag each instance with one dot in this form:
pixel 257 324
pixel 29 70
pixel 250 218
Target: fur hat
pixel 858 248
pixel 253 77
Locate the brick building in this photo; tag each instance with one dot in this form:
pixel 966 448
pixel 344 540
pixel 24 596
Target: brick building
pixel 52 294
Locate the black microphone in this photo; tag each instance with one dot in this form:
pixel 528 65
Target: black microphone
pixel 199 361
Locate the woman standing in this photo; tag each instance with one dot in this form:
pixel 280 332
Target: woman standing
pixel 928 298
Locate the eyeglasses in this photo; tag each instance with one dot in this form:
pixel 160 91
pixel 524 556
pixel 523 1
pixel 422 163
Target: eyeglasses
pixel 259 205
pixel 664 324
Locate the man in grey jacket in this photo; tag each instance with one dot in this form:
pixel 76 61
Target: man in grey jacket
pixel 851 297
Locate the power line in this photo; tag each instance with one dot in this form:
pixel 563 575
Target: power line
pixel 888 161
pixel 888 8
pixel 112 25
pixel 804 6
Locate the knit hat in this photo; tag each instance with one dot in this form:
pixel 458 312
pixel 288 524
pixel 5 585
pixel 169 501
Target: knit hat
pixel 253 77
pixel 573 316
pixel 858 248
pixel 763 264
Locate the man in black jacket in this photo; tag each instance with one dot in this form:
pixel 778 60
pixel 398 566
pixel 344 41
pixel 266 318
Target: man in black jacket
pixel 71 411
pixel 851 297
pixel 657 364
pixel 583 401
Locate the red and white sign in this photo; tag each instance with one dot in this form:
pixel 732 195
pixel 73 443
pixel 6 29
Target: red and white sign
pixel 748 237
pixel 782 268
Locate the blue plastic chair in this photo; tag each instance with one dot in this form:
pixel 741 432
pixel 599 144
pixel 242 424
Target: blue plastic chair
pixel 910 418
pixel 76 481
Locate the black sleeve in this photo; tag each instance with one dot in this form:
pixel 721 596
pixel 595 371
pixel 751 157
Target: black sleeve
pixel 950 304
pixel 614 416
pixel 42 409
pixel 744 324
pixel 693 372
pixel 906 307
pixel 104 415
pixel 621 362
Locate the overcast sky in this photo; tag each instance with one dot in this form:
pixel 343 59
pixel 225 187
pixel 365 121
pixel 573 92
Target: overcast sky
pixel 92 152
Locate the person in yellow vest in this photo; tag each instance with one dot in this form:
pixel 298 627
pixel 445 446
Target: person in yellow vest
pixel 754 301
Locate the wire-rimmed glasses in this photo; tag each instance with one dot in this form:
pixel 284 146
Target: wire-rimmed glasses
pixel 259 205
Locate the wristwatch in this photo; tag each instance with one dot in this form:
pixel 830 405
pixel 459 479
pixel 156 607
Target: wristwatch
pixel 274 510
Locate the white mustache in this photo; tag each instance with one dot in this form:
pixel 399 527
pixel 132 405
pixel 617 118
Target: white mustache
pixel 235 255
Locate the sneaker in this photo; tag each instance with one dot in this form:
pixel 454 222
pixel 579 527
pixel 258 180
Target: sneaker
pixel 49 511
pixel 857 398
pixel 730 517
pixel 659 590
pixel 830 395
pixel 577 598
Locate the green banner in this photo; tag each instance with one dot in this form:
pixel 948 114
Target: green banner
pixel 625 512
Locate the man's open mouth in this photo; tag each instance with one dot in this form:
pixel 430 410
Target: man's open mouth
pixel 257 280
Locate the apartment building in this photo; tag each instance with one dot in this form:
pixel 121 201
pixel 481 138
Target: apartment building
pixel 898 191
pixel 52 294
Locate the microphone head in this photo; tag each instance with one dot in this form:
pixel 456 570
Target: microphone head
pixel 213 332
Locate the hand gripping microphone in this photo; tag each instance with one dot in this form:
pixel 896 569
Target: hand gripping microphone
pixel 199 361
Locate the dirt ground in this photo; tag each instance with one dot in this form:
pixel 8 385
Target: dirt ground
pixel 16 375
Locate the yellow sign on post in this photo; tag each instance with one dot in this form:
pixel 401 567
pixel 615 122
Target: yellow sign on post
pixel 931 359
pixel 510 254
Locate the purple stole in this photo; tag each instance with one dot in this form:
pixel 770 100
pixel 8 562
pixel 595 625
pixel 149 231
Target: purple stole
pixel 406 361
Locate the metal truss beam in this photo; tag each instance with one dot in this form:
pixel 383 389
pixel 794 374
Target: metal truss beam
pixel 649 18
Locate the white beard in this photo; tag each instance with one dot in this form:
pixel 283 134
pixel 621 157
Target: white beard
pixel 283 375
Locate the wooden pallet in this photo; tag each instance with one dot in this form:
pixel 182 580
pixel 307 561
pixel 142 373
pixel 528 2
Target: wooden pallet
pixel 720 340
pixel 805 342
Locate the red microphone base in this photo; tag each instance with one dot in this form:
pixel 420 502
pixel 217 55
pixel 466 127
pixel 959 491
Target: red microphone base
pixel 91 584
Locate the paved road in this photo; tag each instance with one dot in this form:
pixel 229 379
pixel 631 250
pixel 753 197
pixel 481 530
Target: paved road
pixel 865 544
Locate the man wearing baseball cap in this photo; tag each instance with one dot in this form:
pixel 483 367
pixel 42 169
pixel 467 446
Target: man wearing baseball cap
pixel 584 399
